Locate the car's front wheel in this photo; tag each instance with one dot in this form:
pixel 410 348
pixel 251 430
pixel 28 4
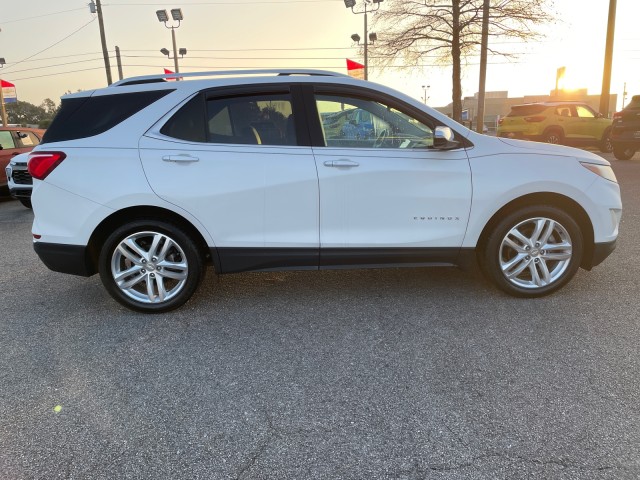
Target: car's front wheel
pixel 533 251
pixel 623 152
pixel 150 266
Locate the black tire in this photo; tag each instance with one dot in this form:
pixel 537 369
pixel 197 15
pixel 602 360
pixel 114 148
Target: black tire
pixel 605 142
pixel 25 201
pixel 554 136
pixel 175 264
pixel 623 152
pixel 502 250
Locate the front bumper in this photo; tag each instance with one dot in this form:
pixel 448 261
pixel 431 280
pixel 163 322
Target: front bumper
pixel 600 252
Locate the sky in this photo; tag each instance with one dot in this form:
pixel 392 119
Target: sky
pixel 51 48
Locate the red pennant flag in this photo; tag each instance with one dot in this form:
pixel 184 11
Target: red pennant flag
pixel 169 72
pixel 355 69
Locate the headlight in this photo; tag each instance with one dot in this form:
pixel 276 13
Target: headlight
pixel 603 171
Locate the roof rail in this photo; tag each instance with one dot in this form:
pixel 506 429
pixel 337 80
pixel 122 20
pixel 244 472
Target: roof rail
pixel 171 76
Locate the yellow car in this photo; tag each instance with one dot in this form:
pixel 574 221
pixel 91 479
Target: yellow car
pixel 566 123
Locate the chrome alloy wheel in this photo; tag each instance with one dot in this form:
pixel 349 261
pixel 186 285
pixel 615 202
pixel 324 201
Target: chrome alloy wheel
pixel 535 253
pixel 149 267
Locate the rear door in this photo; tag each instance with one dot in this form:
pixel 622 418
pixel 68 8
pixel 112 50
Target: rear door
pixel 240 162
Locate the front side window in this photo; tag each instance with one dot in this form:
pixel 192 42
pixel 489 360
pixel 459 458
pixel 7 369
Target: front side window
pixel 6 140
pixel 584 112
pixel 252 120
pixel 361 123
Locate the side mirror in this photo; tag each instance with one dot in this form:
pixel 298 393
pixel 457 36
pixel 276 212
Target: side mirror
pixel 442 139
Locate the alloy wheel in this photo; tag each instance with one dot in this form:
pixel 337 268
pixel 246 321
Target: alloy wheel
pixel 535 253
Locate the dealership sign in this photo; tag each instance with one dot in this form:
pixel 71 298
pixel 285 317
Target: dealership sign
pixel 9 92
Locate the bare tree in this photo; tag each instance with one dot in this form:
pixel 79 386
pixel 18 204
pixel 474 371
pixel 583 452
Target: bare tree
pixel 449 30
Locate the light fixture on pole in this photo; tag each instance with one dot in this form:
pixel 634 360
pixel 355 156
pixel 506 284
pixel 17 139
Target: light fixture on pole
pixel 372 37
pixel 425 89
pixel 176 15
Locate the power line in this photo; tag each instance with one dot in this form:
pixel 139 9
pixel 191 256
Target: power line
pixel 53 45
pixel 44 15
pixel 60 56
pixel 52 66
pixel 56 74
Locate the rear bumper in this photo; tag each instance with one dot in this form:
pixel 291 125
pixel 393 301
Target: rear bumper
pixel 71 259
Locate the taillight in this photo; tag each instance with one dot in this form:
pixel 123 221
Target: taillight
pixel 42 164
pixel 535 118
pixel 617 116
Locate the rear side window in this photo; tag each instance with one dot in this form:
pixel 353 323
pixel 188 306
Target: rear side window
pixel 28 139
pixel 526 110
pixel 89 116
pixel 265 119
pixel 255 120
pixel 6 140
pixel 188 122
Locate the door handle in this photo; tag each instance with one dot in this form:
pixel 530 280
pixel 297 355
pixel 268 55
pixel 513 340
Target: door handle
pixel 343 162
pixel 182 158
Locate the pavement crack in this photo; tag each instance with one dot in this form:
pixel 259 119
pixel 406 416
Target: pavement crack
pixel 272 432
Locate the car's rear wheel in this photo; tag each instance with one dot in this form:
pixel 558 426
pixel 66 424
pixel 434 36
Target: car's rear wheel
pixel 150 266
pixel 605 143
pixel 553 135
pixel 623 152
pixel 533 251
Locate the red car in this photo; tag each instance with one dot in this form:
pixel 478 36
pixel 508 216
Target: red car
pixel 15 140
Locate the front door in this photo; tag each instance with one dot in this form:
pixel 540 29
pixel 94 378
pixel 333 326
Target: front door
pixel 386 196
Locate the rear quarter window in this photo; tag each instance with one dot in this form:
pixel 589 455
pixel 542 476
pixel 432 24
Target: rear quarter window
pixel 89 116
pixel 526 110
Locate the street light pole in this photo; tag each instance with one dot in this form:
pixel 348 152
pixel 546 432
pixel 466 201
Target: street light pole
pixel 175 49
pixel 176 14
pixel 350 4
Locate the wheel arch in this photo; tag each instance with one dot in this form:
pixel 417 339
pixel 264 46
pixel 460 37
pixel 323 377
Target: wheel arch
pixel 567 204
pixel 116 219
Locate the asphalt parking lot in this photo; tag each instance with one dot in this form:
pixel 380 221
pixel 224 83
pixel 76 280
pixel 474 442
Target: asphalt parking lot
pixel 391 374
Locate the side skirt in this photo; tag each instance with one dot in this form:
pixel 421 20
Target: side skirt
pixel 233 260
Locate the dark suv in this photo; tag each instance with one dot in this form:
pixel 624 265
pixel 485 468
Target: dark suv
pixel 625 132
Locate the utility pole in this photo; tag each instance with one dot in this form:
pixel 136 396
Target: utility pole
pixel 483 66
pixel 608 60
pixel 119 62
pixel 105 52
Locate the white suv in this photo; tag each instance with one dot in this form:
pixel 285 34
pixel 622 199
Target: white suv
pixel 148 181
